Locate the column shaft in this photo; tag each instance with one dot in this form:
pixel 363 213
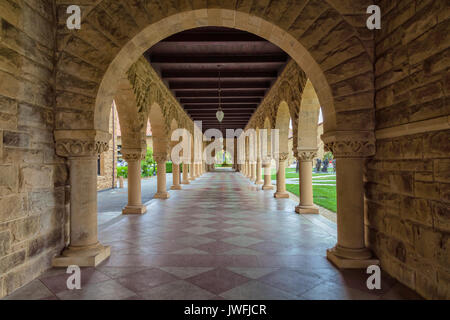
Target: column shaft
pixel 350 250
pixel 134 205
pixel 258 172
pixel 281 179
pixel 84 249
pixel 161 192
pixel 267 177
pixel 253 172
pixel 306 204
pixel 185 177
pixel 175 177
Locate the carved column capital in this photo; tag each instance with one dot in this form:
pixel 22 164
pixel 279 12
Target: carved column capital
pixel 306 154
pixel 160 157
pixel 282 156
pixel 344 144
pixel 133 154
pixel 81 143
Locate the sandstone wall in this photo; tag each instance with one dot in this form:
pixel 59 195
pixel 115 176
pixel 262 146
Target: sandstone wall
pixel 408 181
pixel 33 180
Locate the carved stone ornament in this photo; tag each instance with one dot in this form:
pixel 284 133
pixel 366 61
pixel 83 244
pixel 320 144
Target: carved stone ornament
pixel 81 143
pixel 160 157
pixel 306 155
pixel 350 144
pixel 282 156
pixel 133 154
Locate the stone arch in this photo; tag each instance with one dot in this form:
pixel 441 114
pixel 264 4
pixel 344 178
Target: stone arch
pixel 308 117
pixel 330 48
pixel 159 130
pixel 133 136
pixel 282 124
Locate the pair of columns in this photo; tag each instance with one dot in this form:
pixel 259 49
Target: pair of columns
pixel 134 157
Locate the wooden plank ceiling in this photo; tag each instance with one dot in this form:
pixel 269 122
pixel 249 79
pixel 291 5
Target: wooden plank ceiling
pixel 189 63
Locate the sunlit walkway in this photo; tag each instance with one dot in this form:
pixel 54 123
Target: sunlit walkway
pixel 217 238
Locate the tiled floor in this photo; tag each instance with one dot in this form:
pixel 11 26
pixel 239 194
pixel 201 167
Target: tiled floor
pixel 218 238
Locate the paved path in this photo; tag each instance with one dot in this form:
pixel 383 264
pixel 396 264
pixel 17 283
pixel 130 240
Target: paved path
pixel 111 201
pixel 220 237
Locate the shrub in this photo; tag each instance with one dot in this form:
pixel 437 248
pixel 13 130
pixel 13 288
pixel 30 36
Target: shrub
pixel 168 167
pixel 122 172
pixel 147 165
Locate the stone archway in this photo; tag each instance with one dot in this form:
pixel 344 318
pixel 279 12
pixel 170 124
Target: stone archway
pixel 315 35
pixel 333 77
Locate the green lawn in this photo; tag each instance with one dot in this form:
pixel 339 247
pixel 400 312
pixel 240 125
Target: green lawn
pixel 324 196
pixel 290 173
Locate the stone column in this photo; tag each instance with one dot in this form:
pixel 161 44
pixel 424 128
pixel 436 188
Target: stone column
pixel 81 148
pixel 253 172
pixel 134 157
pixel 258 172
pixel 175 177
pixel 267 176
pixel 161 192
pixel 305 158
pixel 247 169
pixel 185 179
pixel 350 151
pixel 191 172
pixel 281 176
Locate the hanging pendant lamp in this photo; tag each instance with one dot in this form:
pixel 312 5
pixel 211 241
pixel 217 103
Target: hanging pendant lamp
pixel 219 113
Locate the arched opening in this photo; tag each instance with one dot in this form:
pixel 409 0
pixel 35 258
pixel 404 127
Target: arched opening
pixel 347 123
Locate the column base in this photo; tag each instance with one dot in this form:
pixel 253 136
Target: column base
pixel 134 209
pixel 281 195
pixel 172 187
pixel 82 256
pixel 365 258
pixel 259 182
pixel 161 195
pixel 267 187
pixel 306 209
pixel 185 182
pixel 191 178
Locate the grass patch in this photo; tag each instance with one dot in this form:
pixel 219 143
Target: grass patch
pixel 324 196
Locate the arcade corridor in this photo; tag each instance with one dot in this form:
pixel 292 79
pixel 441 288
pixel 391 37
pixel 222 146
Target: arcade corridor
pixel 216 240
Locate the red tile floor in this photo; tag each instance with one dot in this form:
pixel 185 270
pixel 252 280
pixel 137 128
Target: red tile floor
pixel 218 238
